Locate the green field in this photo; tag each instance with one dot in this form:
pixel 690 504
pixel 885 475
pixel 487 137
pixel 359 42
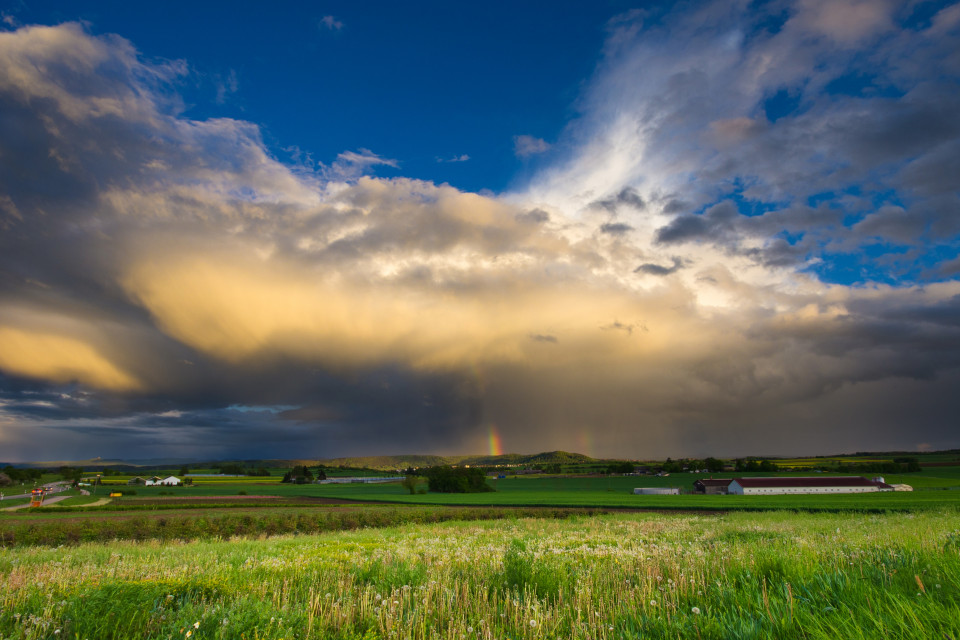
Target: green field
pixel 934 488
pixel 617 491
pixel 776 575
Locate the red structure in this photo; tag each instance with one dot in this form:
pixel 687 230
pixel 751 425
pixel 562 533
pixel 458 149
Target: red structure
pixel 36 497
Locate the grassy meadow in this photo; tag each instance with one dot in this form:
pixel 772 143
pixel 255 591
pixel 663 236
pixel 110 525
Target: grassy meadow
pixel 736 575
pixel 545 556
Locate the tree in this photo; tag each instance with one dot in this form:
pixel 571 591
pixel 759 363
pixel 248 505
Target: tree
pixel 232 469
pixel 184 470
pixel 460 480
pixel 410 484
pixel 300 474
pixel 620 467
pixel 321 473
pixel 22 475
pixel 713 465
pixel 671 466
pixel 5 480
pixel 72 474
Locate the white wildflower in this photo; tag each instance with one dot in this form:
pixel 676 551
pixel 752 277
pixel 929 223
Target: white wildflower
pixel 696 611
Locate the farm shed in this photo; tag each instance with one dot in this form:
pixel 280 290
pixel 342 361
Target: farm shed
pixel 718 486
pixel 657 491
pixel 137 480
pixel 828 484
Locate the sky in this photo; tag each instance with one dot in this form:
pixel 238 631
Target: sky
pixel 626 230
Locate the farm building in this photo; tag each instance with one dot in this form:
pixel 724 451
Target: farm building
pixel 828 484
pixel 656 491
pixel 169 481
pixel 711 485
pixel 137 480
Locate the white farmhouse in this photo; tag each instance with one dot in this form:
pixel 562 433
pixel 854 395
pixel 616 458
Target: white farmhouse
pixel 169 481
pixel 819 484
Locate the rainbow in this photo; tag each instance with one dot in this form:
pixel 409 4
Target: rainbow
pixel 496 446
pixel 585 443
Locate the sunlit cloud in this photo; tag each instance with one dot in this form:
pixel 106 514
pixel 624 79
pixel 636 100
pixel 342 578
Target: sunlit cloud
pixel 60 359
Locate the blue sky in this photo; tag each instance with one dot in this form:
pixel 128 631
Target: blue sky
pixel 706 228
pixel 423 84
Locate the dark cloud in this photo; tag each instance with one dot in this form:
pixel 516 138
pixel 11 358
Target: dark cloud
pixel 893 223
pixel 535 216
pixel 658 270
pixel 540 337
pixel 627 196
pixel 616 325
pixel 949 268
pixel 935 173
pixel 712 224
pixel 615 228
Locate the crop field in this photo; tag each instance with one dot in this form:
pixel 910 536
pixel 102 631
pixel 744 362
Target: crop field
pixel 738 575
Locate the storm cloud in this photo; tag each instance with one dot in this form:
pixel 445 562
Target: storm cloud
pixel 168 287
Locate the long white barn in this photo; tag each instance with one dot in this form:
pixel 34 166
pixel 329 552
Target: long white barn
pixel 817 484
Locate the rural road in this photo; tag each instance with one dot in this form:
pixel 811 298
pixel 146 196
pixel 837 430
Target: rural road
pixel 46 501
pixel 53 487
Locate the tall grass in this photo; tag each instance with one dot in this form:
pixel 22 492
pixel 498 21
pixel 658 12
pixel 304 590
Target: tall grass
pixel 771 575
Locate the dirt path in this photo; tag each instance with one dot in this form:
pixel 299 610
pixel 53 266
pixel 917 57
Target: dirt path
pixel 100 502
